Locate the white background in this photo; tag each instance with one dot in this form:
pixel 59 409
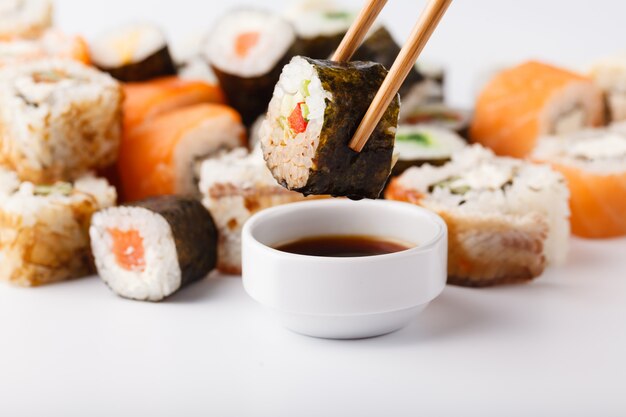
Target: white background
pixel 552 348
pixel 474 37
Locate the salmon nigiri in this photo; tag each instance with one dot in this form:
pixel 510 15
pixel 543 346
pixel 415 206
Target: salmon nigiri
pixel 149 99
pixel 533 99
pixel 160 157
pixel 594 164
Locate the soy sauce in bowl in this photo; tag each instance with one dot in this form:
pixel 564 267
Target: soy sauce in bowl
pixel 343 246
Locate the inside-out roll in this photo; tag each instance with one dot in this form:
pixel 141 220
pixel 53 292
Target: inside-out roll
pixel 594 164
pixel 507 218
pixel 247 50
pixel 24 18
pixel 150 250
pixel 316 108
pixel 610 75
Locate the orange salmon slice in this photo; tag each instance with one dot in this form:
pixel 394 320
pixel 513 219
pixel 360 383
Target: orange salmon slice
pixel 128 249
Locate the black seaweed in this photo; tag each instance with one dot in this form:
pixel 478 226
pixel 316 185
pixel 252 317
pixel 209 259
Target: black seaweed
pixel 159 64
pixel 319 47
pixel 338 170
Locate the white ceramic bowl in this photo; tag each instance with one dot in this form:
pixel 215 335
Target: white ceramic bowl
pixel 345 298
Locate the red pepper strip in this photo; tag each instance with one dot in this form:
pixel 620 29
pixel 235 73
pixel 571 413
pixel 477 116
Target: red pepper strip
pixel 296 121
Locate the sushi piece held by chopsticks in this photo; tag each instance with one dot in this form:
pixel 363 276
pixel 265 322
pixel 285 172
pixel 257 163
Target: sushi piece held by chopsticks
pixel 133 52
pixel 151 249
pixel 43 228
pixel 594 164
pixel 507 218
pixel 24 18
pixel 531 100
pixel 247 49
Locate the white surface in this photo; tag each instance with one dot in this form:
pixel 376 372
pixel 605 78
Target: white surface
pixel 474 38
pixel 345 298
pixel 552 348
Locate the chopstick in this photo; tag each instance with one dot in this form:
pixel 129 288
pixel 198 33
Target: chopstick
pixel 424 28
pixel 357 32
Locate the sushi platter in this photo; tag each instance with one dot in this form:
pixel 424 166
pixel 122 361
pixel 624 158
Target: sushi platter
pixel 288 217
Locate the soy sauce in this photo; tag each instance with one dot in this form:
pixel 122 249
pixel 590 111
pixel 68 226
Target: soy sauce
pixel 343 246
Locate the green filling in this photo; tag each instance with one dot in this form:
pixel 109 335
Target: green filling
pixel 337 15
pixel 415 137
pixel 305 111
pixel 305 88
pixel 447 183
pixel 62 188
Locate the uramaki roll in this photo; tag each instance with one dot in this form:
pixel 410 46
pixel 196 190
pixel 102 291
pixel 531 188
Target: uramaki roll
pixel 58 119
pixel 247 50
pixel 24 18
pixel 531 100
pixel 507 218
pixel 610 75
pixel 153 248
pixel 52 44
pixel 316 108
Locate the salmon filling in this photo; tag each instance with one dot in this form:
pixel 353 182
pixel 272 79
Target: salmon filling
pixel 128 249
pixel 245 42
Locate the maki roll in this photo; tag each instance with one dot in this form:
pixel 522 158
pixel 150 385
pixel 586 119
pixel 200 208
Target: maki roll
pixel 439 115
pixel 151 249
pixel 24 18
pixel 531 100
pixel 610 75
pixel 316 108
pixel 432 88
pixel 234 187
pixel 133 52
pixel 44 228
pixel 418 145
pixel 58 119
pixel 162 157
pixel 320 26
pixel 507 219
pixel 594 164
pixel 379 46
pixel 247 50
pixel 52 44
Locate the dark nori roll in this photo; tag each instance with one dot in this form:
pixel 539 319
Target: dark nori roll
pixel 440 115
pixel 316 108
pixel 133 53
pixel 247 50
pixel 150 249
pixel 380 47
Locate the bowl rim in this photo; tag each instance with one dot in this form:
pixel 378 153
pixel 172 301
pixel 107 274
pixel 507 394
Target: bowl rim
pixel 263 215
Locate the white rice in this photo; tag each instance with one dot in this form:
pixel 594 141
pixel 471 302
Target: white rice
pixel 161 275
pixel 313 18
pixel 276 36
pixel 600 151
pixel 293 167
pixel 480 184
pixel 126 44
pixel 610 75
pixel 60 118
pixel 439 143
pixel 24 18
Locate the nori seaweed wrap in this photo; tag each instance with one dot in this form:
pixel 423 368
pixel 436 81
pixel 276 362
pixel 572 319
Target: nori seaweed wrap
pixel 133 53
pixel 152 248
pixel 247 50
pixel 316 108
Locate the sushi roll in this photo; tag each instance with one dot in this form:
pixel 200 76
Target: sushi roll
pixel 58 119
pixel 610 75
pixel 147 100
pixel 234 187
pixel 24 18
pixel 531 100
pixel 316 108
pixel 320 26
pixel 247 50
pixel 53 44
pixel 133 52
pixel 379 46
pixel 162 157
pixel 507 218
pixel 44 228
pixel 149 250
pixel 190 62
pixel 439 115
pixel 417 145
pixel 432 88
pixel 594 164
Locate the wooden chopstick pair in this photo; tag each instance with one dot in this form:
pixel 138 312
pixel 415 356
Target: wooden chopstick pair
pixel 404 63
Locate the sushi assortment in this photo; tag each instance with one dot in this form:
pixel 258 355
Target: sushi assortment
pixel 194 140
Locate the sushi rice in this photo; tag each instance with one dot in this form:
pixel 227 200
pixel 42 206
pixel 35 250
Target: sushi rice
pixel 24 18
